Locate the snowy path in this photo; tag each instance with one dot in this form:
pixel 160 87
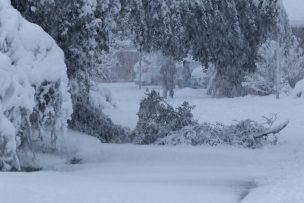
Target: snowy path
pixel 166 174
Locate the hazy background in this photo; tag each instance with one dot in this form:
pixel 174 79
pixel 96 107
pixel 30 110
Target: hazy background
pixel 295 9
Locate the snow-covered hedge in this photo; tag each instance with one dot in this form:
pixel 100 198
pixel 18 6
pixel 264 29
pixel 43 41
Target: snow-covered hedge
pixel 34 99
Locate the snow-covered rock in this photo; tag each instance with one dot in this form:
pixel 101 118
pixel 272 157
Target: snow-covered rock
pixel 33 83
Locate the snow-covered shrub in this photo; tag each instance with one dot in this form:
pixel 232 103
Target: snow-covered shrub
pixel 83 29
pixel 298 91
pixel 99 125
pixel 295 63
pixel 240 134
pixel 269 76
pixel 34 86
pixel 157 119
pixel 279 67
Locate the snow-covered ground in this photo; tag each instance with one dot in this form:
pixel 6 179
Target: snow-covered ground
pixel 225 110
pixel 165 174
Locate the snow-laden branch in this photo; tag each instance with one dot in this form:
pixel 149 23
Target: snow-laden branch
pixel 274 130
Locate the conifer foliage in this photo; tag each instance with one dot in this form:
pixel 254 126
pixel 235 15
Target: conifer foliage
pixel 226 33
pixel 34 100
pixel 83 29
pixel 156 118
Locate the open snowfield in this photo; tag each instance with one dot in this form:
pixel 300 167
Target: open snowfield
pixel 165 174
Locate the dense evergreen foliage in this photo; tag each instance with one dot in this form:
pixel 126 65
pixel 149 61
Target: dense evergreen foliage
pixel 156 118
pixel 34 100
pixel 225 33
pixel 83 29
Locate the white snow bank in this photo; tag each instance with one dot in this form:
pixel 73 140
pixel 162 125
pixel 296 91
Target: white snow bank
pixel 31 66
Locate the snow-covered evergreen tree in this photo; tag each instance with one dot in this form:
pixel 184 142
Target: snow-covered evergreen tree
pixel 83 29
pixel 34 99
pixel 156 26
pixel 226 33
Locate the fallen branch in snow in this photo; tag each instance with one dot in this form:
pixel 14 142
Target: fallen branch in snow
pixel 270 131
pixel 246 133
pixel 160 123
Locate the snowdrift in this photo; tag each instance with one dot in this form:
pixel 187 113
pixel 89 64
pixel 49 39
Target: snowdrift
pixel 34 99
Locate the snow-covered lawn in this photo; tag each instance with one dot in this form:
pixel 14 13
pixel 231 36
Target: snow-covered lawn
pixel 165 174
pixel 225 110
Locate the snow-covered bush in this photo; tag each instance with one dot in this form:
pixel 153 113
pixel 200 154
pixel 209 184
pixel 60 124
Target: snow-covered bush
pixel 240 134
pixel 83 29
pixel 298 91
pixel 96 123
pixel 34 87
pixel 277 68
pixel 157 119
pixel 295 63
